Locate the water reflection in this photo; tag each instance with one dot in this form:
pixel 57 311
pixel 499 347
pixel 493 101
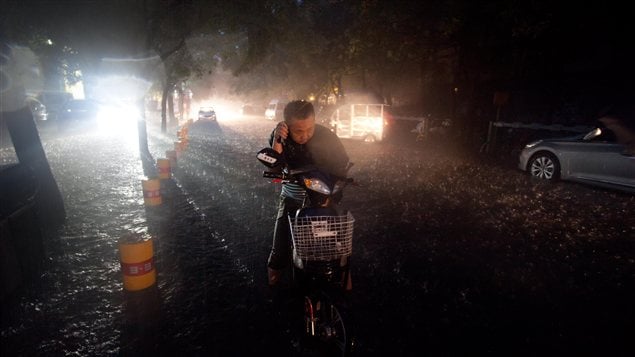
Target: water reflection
pixel 142 324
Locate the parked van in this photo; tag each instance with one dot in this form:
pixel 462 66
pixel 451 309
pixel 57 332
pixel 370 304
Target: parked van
pixel 366 122
pixel 275 110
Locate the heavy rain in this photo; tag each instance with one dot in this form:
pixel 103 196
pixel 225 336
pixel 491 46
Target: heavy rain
pixel 456 251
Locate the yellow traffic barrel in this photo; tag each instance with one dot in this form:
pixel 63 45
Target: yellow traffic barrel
pixel 163 167
pixel 171 155
pixel 151 192
pixel 137 261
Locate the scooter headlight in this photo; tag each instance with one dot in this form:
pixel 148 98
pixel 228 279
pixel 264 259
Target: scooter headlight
pixel 317 185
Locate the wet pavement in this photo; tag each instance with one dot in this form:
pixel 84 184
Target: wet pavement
pixel 201 302
pixel 454 254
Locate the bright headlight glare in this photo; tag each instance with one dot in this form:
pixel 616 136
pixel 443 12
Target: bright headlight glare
pixel 317 185
pixel 532 144
pixel 118 114
pixel 117 118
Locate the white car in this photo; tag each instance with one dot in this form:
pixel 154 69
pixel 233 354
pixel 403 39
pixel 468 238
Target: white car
pixel 275 110
pixel 595 158
pixel 37 109
pixel 206 114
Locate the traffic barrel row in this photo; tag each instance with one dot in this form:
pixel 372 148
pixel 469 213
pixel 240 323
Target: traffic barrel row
pixel 136 251
pixel 183 132
pixel 152 186
pixel 183 136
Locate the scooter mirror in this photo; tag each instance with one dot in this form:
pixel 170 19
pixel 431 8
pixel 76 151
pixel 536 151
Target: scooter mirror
pixel 269 157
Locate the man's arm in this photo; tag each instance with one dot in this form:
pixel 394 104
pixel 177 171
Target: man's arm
pixel 278 136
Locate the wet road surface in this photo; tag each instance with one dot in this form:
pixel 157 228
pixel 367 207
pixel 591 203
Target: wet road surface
pixel 453 254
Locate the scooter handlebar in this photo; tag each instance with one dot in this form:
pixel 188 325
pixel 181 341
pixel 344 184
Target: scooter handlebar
pixel 270 174
pixel 290 178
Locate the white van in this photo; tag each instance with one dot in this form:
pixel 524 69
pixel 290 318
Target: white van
pixel 360 121
pixel 275 110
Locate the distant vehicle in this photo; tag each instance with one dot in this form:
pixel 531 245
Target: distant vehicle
pixel 367 122
pixel 206 114
pixel 53 101
pixel 595 158
pixel 430 127
pixel 78 113
pixel 275 110
pixel 38 109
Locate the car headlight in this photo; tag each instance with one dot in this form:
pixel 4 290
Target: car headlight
pixel 532 144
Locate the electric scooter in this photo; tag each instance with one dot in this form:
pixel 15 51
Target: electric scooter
pixel 322 244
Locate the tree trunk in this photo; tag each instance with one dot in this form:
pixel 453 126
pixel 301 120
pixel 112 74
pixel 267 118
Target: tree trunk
pixel 422 87
pixel 164 99
pixel 173 122
pixel 142 129
pixel 363 78
pixel 182 115
pixel 30 153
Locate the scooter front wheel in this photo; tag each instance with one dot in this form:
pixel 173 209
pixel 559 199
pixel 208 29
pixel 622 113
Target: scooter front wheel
pixel 326 326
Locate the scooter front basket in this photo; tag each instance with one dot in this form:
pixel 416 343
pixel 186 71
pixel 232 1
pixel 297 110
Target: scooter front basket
pixel 322 237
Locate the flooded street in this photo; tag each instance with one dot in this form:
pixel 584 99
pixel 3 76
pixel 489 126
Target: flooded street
pixel 453 254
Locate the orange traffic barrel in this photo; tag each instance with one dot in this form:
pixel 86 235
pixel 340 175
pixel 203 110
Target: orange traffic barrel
pixel 184 137
pixel 163 167
pixel 171 155
pixel 151 192
pixel 180 146
pixel 137 261
pixel 182 133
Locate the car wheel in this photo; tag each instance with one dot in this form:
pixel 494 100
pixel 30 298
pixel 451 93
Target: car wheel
pixel 544 166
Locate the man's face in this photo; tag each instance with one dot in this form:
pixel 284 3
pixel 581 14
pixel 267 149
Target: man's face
pixel 301 130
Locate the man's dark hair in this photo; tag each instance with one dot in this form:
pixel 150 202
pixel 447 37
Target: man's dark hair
pixel 298 109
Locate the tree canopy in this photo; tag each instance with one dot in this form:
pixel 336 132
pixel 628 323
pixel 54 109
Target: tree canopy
pixel 433 56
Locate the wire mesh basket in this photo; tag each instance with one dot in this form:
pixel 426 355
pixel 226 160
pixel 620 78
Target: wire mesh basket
pixel 322 237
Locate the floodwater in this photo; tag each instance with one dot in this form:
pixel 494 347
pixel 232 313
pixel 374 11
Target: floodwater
pixel 453 254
